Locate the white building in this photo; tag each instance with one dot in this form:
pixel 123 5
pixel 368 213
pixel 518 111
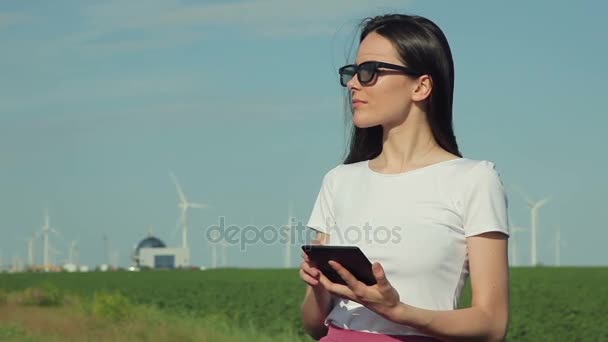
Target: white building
pixel 163 257
pixel 152 252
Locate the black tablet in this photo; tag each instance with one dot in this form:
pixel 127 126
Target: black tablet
pixel 350 257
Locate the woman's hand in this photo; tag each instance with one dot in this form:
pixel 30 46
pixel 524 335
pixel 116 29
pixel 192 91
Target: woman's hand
pixel 381 298
pixel 308 273
pixel 317 302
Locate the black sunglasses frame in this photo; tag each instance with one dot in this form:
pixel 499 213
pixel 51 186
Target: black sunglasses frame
pixel 374 66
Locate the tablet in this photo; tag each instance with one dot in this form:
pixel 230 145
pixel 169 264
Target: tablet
pixel 350 257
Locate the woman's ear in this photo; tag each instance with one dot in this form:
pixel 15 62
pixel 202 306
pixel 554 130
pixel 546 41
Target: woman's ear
pixel 423 88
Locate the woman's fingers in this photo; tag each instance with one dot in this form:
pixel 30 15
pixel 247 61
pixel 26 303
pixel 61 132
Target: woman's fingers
pixel 308 279
pixel 304 255
pixel 309 274
pixel 308 269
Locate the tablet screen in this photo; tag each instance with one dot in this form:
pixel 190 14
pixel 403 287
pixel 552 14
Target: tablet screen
pixel 350 257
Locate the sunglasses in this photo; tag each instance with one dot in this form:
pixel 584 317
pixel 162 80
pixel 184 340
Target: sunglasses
pixel 366 72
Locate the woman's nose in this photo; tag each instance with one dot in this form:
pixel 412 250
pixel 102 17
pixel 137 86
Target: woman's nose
pixel 353 83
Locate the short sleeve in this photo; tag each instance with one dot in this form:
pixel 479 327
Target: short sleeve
pixel 485 203
pixel 322 216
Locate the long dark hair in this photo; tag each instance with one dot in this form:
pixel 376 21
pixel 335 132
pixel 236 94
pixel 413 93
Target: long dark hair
pixel 422 46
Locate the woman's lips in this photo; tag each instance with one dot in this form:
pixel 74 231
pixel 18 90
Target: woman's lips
pixel 358 103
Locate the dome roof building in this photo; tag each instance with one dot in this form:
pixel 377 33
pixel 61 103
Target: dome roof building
pixel 148 242
pixel 152 252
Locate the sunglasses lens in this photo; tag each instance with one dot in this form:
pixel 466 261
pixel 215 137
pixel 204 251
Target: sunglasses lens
pixel 346 74
pixel 366 73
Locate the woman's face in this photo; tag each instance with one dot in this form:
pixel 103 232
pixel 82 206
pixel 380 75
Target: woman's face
pixel 387 99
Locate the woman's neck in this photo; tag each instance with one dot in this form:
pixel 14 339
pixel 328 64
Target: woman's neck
pixel 407 146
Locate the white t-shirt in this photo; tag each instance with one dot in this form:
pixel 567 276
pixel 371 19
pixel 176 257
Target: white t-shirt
pixel 415 224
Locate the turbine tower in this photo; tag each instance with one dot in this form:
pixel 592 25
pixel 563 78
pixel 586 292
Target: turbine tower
pixel 114 259
pixel 72 253
pixel 290 233
pixel 106 250
pixel 46 231
pixel 184 205
pixel 558 245
pixel 224 257
pixel 514 250
pixel 52 250
pixel 213 246
pixel 30 250
pixel 213 255
pixel 534 206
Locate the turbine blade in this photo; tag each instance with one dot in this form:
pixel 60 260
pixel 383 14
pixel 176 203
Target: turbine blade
pixel 542 202
pixel 523 194
pixel 47 220
pixel 53 230
pixel 180 192
pixel 198 205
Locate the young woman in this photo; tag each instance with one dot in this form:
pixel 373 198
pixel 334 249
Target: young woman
pixel 424 215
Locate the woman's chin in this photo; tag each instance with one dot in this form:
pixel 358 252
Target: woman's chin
pixel 361 120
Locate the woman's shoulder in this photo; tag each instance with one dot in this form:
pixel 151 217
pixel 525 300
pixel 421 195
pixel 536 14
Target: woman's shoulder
pixel 476 172
pixel 455 167
pixel 476 166
pixel 470 164
pixel 467 172
pixel 462 165
pixel 342 168
pixel 341 171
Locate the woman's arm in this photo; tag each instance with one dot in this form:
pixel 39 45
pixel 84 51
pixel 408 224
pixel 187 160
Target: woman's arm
pixel 316 305
pixel 315 308
pixel 487 318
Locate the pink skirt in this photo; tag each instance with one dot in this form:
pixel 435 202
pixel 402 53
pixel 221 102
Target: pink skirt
pixel 336 334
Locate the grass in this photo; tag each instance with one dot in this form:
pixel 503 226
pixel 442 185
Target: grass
pixel 80 319
pixel 547 304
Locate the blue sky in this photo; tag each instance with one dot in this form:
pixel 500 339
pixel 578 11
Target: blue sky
pixel 100 99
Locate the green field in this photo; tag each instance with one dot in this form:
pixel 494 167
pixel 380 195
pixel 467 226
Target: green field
pixel 547 304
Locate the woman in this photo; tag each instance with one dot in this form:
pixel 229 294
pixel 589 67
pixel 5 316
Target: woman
pixel 424 215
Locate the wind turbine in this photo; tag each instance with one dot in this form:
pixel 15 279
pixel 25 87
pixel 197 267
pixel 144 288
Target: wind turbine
pixel 54 251
pixel 214 250
pixel 15 263
pixel 514 251
pixel 213 239
pixel 534 206
pixel 558 244
pixel 114 259
pixel 72 252
pixel 213 256
pixel 184 205
pixel 224 257
pixel 106 250
pixel 290 230
pixel 30 250
pixel 46 231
